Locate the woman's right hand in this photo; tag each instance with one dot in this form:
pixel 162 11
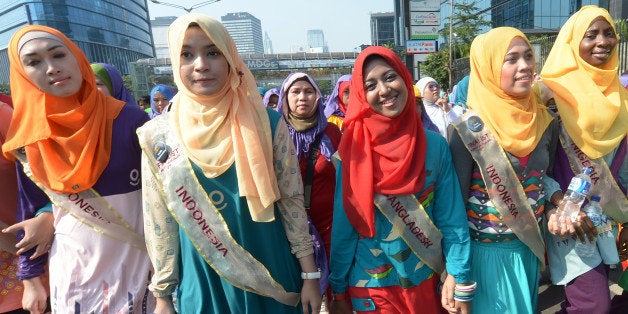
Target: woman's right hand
pixel 164 305
pixel 34 297
pixel 340 307
pixel 38 232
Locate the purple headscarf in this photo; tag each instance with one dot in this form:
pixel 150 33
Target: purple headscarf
pixel 331 105
pixel 270 92
pixel 119 91
pixel 624 80
pixel 303 140
pixel 164 89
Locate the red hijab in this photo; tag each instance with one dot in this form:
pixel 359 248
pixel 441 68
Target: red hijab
pixel 379 154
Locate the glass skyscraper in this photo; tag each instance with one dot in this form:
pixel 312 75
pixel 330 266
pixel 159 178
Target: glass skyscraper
pixel 112 31
pixel 246 31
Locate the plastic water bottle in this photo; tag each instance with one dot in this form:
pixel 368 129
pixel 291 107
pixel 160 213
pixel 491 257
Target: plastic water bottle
pixel 605 239
pixel 576 194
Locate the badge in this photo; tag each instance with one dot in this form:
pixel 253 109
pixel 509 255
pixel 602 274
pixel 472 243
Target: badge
pixel 161 151
pixel 475 124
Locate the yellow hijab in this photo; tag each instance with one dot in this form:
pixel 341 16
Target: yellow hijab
pixel 591 101
pixel 516 123
pixel 230 126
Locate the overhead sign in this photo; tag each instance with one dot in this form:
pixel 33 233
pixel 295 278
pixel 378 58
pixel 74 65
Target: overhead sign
pixel 262 64
pixel 424 5
pixel 424 18
pixel 420 46
pixel 167 70
pixel 424 32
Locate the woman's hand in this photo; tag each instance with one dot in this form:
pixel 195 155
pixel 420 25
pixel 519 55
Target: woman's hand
pixel 38 232
pixel 164 305
pixel 311 296
pixel 34 297
pixel 340 307
pixel 447 298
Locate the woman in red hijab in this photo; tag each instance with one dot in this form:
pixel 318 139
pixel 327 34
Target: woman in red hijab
pixel 398 213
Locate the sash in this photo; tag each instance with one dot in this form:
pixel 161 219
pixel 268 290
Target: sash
pixel 190 205
pixel 613 200
pixel 91 209
pixel 502 183
pixel 409 218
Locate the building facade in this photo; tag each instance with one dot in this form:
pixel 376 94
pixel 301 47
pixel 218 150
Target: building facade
pixel 383 28
pixel 112 31
pixel 159 28
pixel 246 31
pixel 316 41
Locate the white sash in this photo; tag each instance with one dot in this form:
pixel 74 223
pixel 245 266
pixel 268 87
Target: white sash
pixel 408 216
pixel 189 204
pixel 612 200
pixel 502 183
pixel 91 209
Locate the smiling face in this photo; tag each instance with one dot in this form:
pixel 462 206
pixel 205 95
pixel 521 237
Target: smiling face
pixel 51 66
pixel 598 42
pixel 302 99
pixel 518 69
pixel 204 69
pixel 385 90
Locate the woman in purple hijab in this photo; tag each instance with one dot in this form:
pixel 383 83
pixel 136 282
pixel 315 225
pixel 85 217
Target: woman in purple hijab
pixel 111 78
pixel 315 140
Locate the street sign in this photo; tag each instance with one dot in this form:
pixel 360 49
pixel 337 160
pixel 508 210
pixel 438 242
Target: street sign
pixel 420 46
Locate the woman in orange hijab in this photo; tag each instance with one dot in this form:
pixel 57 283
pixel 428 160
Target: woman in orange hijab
pixel 501 153
pixel 78 156
pixel 398 214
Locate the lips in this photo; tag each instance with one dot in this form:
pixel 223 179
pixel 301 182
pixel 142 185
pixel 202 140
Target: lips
pixel 59 80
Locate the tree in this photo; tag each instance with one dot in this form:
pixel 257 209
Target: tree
pixel 127 80
pixel 436 66
pixel 5 88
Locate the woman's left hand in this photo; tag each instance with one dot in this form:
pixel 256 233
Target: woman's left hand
pixel 311 296
pixel 447 298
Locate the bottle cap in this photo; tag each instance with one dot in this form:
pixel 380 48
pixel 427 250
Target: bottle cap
pixel 595 198
pixel 587 170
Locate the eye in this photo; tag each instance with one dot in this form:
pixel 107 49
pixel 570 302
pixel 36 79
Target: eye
pixel 391 77
pixel 369 86
pixel 59 55
pixel 186 54
pixel 214 53
pixel 31 63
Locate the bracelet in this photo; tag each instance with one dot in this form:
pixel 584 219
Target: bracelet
pixel 314 275
pixel 465 293
pixel 339 296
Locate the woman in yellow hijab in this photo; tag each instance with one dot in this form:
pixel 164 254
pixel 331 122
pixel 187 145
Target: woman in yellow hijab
pixel 582 72
pixel 225 223
pixel 501 153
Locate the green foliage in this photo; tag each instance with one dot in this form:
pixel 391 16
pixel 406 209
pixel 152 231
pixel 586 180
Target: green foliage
pixel 325 86
pixel 436 65
pixel 622 28
pixel 127 80
pixel 5 88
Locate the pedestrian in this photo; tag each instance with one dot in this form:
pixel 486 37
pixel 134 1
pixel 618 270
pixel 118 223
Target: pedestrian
pixel 160 97
pixel 79 158
pixel 271 98
pixel 109 82
pixel 398 215
pixel 420 109
pixel 501 148
pixel 436 104
pixel 581 72
pixel 336 104
pixel 223 196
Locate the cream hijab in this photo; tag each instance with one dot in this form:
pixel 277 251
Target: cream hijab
pixel 230 126
pixel 516 123
pixel 591 101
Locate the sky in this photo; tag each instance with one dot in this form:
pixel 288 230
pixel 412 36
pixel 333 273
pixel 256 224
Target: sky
pixel 345 23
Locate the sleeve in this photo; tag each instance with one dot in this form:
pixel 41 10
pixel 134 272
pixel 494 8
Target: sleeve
pixel 462 160
pixel 290 204
pixel 450 217
pixel 161 232
pixel 344 241
pixel 550 186
pixel 30 199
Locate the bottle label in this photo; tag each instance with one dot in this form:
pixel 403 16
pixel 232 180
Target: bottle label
pixel 579 186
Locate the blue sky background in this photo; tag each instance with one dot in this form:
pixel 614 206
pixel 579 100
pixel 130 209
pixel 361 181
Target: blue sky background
pixel 345 23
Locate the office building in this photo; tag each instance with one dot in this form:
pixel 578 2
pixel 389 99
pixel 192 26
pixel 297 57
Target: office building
pixel 111 31
pixel 159 27
pixel 382 28
pixel 316 41
pixel 246 31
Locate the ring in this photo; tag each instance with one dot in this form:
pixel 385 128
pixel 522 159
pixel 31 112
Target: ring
pixel 48 246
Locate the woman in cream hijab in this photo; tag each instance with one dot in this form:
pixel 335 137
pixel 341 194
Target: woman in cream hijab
pixel 225 223
pixel 501 151
pixel 581 72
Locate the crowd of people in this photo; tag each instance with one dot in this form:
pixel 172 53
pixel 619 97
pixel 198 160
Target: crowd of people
pixel 387 196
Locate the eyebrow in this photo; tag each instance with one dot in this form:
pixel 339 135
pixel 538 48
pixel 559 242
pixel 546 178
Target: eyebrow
pixel 207 47
pixel 49 49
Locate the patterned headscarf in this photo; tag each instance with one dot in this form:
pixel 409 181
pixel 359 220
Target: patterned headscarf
pixel 591 101
pixel 516 123
pixel 71 145
pixel 107 72
pixel 303 139
pixel 379 154
pixel 229 126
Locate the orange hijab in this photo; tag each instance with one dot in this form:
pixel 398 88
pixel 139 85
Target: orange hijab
pixel 591 101
pixel 379 154
pixel 67 140
pixel 516 123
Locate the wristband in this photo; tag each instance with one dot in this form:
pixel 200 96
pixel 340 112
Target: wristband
pixel 314 275
pixel 339 296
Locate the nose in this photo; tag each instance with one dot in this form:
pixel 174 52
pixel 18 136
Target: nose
pixel 383 88
pixel 52 68
pixel 201 64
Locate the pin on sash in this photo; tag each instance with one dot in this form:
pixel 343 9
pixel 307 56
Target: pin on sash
pixel 475 124
pixel 161 151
